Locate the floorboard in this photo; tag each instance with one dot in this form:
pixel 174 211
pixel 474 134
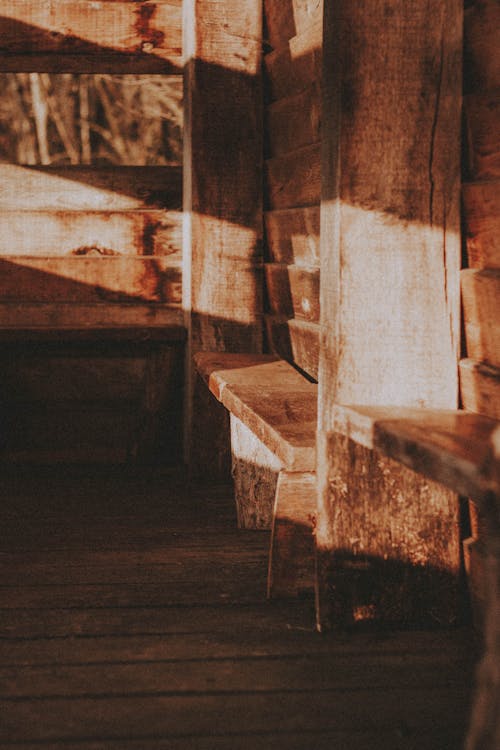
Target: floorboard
pixel 133 617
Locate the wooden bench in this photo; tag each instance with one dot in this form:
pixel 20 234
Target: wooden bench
pixel 462 451
pixel 273 412
pixel 98 389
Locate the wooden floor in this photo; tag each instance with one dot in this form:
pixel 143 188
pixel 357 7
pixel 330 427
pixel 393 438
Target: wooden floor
pixel 132 616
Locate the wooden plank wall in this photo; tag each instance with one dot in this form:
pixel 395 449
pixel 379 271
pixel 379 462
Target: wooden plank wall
pixel 90 247
pixel 480 368
pixel 293 32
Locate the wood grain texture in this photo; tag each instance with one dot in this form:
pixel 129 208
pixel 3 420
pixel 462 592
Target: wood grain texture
pixel 286 20
pixel 481 308
pixel 304 286
pixel 480 387
pixel 292 236
pixel 482 39
pixel 59 317
pixel 482 221
pixel 291 558
pixel 83 28
pixel 294 180
pixel 304 340
pixel 482 116
pixel 255 472
pixel 390 216
pixel 80 232
pixel 279 296
pixel 293 122
pixel 271 398
pixel 296 66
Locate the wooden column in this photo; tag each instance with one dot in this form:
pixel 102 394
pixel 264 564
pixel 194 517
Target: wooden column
pixel 388 545
pixel 222 199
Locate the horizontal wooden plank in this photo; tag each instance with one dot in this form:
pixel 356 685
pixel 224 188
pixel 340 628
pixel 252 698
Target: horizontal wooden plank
pixel 451 447
pixel 480 388
pixel 481 306
pixel 276 403
pixel 90 279
pixel 293 290
pixel 127 716
pixel 294 180
pixel 304 285
pixel 482 40
pixel 293 122
pixel 482 113
pixel 104 63
pixel 41 377
pixel 292 236
pixel 279 295
pixel 304 339
pixel 283 23
pixel 296 66
pixel 294 340
pixel 89 188
pixel 482 220
pixel 89 29
pixel 105 233
pixel 51 320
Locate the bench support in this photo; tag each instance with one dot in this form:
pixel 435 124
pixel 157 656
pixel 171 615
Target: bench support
pixel 291 559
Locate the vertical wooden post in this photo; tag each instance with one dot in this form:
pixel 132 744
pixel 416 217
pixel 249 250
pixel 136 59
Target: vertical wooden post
pixel 390 260
pixel 222 198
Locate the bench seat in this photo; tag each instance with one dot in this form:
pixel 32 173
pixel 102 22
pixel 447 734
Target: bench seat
pixel 273 413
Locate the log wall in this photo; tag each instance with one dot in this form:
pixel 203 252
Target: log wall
pixel 293 178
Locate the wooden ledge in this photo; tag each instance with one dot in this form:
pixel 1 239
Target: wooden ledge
pixel 455 448
pixel 271 398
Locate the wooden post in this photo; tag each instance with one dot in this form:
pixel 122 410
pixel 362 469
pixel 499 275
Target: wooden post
pixel 222 197
pixel 388 544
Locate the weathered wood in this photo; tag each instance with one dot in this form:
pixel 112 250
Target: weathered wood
pixel 304 340
pixel 296 66
pixel 286 21
pixel 481 307
pixel 294 180
pixel 52 319
pixel 90 279
pixel 278 336
pixel 293 122
pixel 483 135
pixel 102 62
pixel 482 219
pixel 89 188
pixel 279 297
pixel 482 40
pixel 56 233
pixel 293 236
pixel 223 183
pixel 304 286
pixel 293 290
pixel 450 447
pixel 88 29
pixel 389 298
pixel 255 472
pixel 480 387
pixel 271 398
pixel 291 559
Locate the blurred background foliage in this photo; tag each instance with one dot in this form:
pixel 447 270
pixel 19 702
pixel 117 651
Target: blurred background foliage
pixel 90 119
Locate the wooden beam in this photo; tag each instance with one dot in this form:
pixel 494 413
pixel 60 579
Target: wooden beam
pixel 286 21
pixel 293 122
pixel 389 298
pixel 480 387
pixel 294 180
pixel 295 67
pixel 223 176
pixel 293 236
pixel 482 116
pixel 481 307
pixel 482 220
pixel 86 30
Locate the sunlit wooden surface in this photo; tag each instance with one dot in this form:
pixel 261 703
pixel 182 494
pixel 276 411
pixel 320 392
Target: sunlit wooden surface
pixel 133 615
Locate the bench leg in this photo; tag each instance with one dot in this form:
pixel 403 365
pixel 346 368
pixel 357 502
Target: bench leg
pixel 255 472
pixel 291 558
